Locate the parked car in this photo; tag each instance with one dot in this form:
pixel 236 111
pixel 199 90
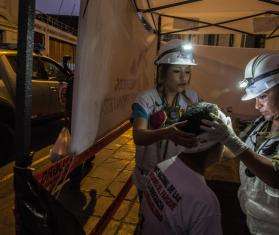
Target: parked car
pixel 49 85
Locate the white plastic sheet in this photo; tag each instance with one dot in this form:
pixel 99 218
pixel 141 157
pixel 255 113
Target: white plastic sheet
pixel 115 62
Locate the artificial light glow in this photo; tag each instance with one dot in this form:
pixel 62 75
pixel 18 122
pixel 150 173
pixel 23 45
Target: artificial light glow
pixel 187 47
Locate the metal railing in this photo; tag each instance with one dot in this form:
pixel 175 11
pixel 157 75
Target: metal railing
pixel 55 23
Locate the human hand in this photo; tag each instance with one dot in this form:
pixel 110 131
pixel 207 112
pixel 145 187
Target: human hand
pixel 220 129
pixel 179 137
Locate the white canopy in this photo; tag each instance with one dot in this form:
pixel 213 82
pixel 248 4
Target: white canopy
pixel 263 15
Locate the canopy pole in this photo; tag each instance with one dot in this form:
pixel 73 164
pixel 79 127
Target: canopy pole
pixel 148 3
pixel 270 1
pixel 218 24
pixel 167 6
pixel 23 102
pixel 159 33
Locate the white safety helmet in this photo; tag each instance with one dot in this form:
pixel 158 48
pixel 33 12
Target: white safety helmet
pixel 176 51
pixel 261 74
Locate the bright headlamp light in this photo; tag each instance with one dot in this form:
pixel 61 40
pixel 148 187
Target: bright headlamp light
pixel 187 47
pixel 243 84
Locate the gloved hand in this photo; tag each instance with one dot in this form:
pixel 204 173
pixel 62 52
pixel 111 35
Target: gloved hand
pixel 221 130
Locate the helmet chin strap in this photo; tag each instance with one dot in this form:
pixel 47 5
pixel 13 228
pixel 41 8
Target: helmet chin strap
pixel 275 117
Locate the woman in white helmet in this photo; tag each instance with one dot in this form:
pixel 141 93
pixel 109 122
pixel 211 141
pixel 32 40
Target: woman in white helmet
pixel 258 150
pixel 156 111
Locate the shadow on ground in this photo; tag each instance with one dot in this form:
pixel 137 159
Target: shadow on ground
pixel 43 133
pixel 80 203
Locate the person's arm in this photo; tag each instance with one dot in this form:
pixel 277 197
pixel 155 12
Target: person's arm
pixel 259 165
pixel 144 136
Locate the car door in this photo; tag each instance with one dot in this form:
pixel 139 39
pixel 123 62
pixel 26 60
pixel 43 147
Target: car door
pixel 57 85
pixel 40 88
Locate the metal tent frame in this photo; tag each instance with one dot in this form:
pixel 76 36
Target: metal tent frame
pixel 157 28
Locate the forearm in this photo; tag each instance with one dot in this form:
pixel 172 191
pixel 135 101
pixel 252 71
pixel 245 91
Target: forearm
pixel 146 137
pixel 261 167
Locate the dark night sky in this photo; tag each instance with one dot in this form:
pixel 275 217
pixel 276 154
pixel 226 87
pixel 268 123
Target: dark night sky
pixel 68 7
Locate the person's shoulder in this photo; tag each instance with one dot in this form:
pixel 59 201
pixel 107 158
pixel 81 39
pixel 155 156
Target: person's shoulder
pixel 207 201
pixel 192 94
pixel 150 96
pixel 148 93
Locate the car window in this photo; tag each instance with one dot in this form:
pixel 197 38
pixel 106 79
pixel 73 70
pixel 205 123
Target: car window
pixel 53 71
pixel 38 68
pixel 12 60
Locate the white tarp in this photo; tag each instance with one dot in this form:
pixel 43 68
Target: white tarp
pixel 115 56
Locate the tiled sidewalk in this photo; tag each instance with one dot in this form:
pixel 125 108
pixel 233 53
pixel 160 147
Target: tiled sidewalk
pixel 111 168
pixel 90 198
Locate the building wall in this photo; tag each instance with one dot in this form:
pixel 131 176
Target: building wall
pixel 272 43
pixel 56 42
pixel 8 20
pixel 58 49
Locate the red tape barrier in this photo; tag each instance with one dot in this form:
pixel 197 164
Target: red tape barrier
pixel 49 176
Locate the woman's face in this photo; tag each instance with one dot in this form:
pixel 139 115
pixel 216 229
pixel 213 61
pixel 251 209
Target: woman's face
pixel 177 78
pixel 267 103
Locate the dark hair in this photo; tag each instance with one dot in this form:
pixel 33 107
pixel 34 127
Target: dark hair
pixel 195 114
pixel 161 74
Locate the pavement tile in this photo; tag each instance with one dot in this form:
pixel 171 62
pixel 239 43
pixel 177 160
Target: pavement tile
pixel 7 216
pixel 114 188
pixel 130 166
pixel 7 230
pixel 106 173
pixel 123 176
pixel 122 210
pixel 101 156
pixel 126 228
pixel 111 228
pixel 122 140
pixel 224 171
pixel 122 154
pixel 102 205
pixel 90 183
pixel 132 195
pixel 6 188
pixel 128 148
pixel 90 224
pixel 132 216
pixel 113 146
pixel 113 163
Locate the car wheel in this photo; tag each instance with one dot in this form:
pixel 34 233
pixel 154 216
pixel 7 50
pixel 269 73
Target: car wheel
pixel 6 143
